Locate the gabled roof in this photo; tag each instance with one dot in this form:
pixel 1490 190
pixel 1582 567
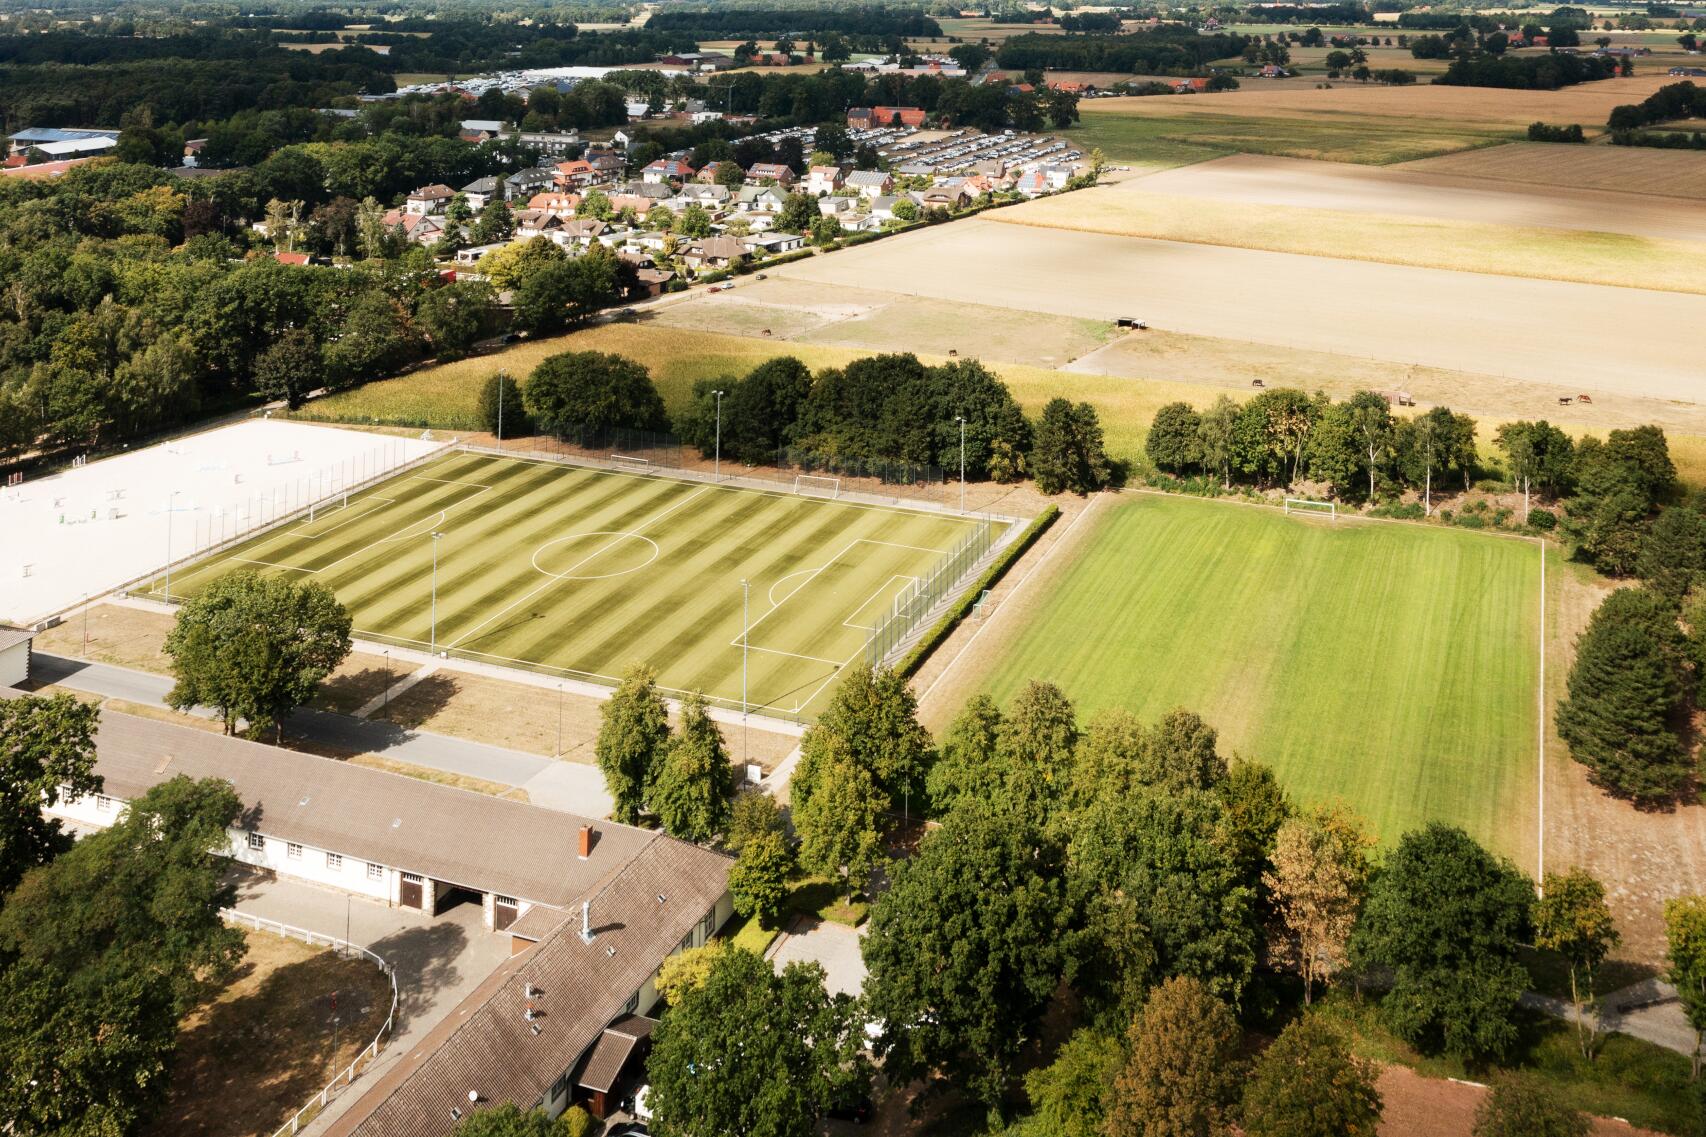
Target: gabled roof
pixel 488 1047
pixel 432 193
pixel 867 178
pixel 501 846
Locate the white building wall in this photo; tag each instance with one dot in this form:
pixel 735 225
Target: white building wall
pixel 15 664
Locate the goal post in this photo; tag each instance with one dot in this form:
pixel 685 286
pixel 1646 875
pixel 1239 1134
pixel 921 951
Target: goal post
pixel 817 484
pixel 629 462
pixel 1304 505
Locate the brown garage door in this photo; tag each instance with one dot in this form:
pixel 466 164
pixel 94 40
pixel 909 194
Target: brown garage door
pixel 409 893
pixel 504 912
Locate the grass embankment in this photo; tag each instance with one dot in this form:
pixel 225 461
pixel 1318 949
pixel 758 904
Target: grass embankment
pixel 1389 666
pixel 1504 250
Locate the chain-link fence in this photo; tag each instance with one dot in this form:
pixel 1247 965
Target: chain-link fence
pixel 918 599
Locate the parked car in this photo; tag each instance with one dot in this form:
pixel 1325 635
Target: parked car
pixel 858 1112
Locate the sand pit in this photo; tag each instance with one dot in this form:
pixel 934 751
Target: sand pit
pixel 1411 190
pixel 1581 335
pixel 88 530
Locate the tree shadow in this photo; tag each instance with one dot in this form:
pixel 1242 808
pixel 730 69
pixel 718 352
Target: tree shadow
pixel 421 702
pixel 347 692
pixel 245 1064
pixel 426 961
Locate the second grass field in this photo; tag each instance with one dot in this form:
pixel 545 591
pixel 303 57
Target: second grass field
pixel 1392 667
pixel 582 573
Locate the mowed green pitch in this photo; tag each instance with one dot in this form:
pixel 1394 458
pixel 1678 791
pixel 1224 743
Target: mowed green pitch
pixel 1392 667
pixel 584 572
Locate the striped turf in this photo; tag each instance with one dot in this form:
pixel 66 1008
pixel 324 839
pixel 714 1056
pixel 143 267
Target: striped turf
pixel 583 572
pixel 1391 666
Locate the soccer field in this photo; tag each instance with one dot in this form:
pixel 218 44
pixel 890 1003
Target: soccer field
pixel 1392 667
pixel 581 573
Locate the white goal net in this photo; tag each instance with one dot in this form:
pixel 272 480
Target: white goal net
pixel 629 462
pixel 1304 505
pixel 817 485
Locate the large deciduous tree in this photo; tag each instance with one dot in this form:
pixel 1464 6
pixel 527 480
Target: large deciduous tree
pixel 1068 456
pixel 594 392
pixel 633 736
pixel 1318 882
pixel 1309 1084
pixel 1175 438
pixel 47 756
pixel 750 1051
pixel 964 950
pixel 102 951
pixel 1445 918
pixel 1182 1072
pixel 695 783
pixel 255 648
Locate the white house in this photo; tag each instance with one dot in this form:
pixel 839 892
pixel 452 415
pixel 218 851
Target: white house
pixel 823 179
pixel 15 644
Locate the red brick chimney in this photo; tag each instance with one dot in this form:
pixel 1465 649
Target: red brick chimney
pixel 585 842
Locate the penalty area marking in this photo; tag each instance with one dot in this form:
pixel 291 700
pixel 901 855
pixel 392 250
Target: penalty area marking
pixel 620 535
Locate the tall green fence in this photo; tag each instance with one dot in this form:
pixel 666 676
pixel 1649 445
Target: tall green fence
pixel 919 599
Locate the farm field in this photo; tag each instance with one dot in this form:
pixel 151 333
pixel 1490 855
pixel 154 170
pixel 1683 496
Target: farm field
pixel 1169 206
pixel 1625 169
pixel 1411 191
pixel 1392 667
pixel 1278 299
pixel 582 573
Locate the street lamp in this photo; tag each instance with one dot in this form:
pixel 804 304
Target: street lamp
pixel 745 599
pixel 719 473
pixel 170 499
pixel 961 419
pixel 436 537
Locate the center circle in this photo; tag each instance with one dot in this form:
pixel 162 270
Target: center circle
pixel 594 556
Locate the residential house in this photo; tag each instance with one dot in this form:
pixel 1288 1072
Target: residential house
pixel 1274 71
pixel 559 204
pixel 576 174
pixel 714 253
pixel 607 165
pixel 581 232
pixel 713 198
pixel 942 197
pixel 471 256
pixel 835 206
pixel 479 130
pixel 1191 86
pixel 548 143
pixel 882 208
pixel 824 179
pixel 637 109
pixel 776 172
pixel 859 118
pixel 291 258
pixel 649 280
pixel 421 228
pixel 523 184
pixel 666 170
pixel 429 200
pixel 192 151
pixel 482 191
pixel 708 173
pixel 867 118
pixel 870 183
pixel 531 223
pixel 1033 182
pixel 858 221
pixel 760 199
pixel 773 244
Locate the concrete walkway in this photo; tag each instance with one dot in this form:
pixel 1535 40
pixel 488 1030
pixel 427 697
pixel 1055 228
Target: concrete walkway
pixel 439 959
pixel 568 786
pixel 1652 1015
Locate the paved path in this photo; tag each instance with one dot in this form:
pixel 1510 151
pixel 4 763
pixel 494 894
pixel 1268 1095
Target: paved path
pixel 569 786
pixel 834 946
pixel 1653 1016
pixel 439 960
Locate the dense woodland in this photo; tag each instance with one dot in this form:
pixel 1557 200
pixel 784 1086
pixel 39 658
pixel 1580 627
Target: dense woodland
pixel 720 22
pixel 1173 48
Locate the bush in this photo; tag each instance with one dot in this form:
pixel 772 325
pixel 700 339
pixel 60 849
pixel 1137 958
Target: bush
pixel 595 391
pixel 1400 510
pixel 1542 519
pixel 1467 520
pixel 501 405
pixel 1541 132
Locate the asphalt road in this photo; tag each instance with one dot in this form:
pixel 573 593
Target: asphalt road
pixel 554 784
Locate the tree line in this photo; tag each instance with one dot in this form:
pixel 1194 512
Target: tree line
pixel 876 410
pixel 1172 48
pixel 1541 73
pixel 1177 898
pixel 741 23
pixel 1672 101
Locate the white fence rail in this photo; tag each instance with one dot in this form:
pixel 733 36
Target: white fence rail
pixel 347 1076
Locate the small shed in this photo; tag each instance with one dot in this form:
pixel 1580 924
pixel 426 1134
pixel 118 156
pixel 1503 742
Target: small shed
pixel 14 655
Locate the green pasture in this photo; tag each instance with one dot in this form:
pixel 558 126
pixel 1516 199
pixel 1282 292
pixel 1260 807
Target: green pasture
pixel 1393 667
pixel 581 573
pixel 1179 140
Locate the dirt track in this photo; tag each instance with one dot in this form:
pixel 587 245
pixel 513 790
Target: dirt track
pixel 1411 191
pixel 1587 336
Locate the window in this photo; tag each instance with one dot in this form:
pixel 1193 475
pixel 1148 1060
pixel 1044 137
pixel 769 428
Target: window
pixel 293 850
pixel 507 901
pixel 257 842
pixel 632 1005
pixel 708 926
pixel 103 803
pixel 375 872
pixel 335 862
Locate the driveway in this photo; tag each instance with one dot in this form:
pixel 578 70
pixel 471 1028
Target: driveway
pixel 834 946
pixel 439 959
